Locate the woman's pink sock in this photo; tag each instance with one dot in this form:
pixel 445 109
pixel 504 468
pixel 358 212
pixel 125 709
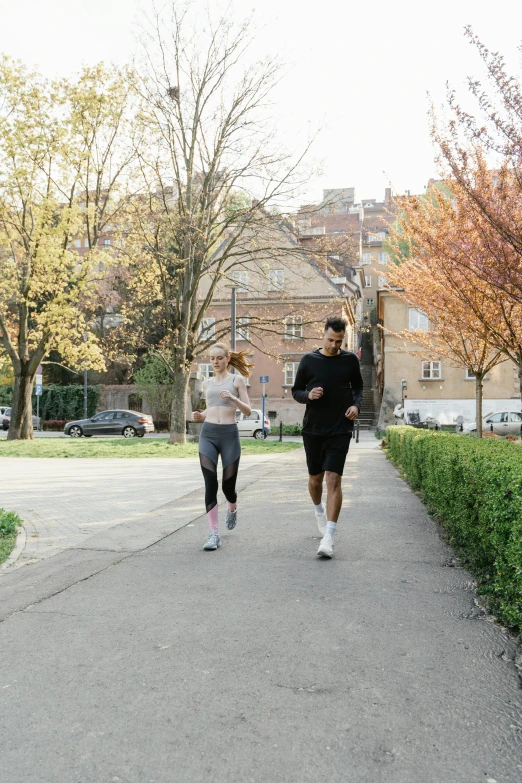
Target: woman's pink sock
pixel 213 519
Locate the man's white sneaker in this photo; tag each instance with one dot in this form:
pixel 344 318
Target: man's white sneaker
pixel 321 522
pixel 326 546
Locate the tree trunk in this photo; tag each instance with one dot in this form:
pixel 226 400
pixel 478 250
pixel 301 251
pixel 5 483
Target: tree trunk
pixel 178 419
pixel 21 424
pixel 479 379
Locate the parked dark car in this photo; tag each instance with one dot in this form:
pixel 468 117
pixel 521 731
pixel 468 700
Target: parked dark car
pixel 127 423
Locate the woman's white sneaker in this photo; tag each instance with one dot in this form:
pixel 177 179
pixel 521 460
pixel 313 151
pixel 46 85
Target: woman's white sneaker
pixel 213 541
pixel 326 546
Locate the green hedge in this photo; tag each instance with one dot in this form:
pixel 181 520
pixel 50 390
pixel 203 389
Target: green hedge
pixel 59 402
pixel 474 488
pixel 6 395
pixel 290 429
pixel 66 402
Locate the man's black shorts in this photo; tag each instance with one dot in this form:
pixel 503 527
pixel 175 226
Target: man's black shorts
pixel 326 453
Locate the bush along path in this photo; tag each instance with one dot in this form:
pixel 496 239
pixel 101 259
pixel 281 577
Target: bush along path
pixel 9 524
pixel 474 488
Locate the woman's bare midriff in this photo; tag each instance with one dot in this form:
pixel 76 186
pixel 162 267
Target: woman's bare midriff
pixel 221 415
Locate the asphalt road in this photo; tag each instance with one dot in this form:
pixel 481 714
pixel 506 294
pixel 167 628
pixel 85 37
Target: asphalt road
pixel 141 658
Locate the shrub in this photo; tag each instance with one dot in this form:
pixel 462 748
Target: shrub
pixel 292 429
pixel 9 521
pixel 6 395
pixel 66 402
pixel 474 487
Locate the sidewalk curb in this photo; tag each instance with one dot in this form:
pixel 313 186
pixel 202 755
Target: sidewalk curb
pixel 17 551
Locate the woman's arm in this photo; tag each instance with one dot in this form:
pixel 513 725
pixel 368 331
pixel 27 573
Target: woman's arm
pixel 241 402
pixel 201 415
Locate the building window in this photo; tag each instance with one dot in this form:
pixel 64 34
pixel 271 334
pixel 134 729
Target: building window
pixel 242 331
pixel 381 235
pixel 276 279
pixel 106 242
pixel 471 377
pixel 383 258
pixel 207 328
pixel 368 281
pixel 242 279
pixel 290 372
pixel 369 301
pixel 78 242
pixel 366 259
pixel 417 320
pixel 381 281
pixel 206 370
pixel 431 371
pixel 86 243
pixel 293 327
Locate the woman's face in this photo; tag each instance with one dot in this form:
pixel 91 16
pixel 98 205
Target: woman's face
pixel 218 359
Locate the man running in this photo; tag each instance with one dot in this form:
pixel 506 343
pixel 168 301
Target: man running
pixel 329 383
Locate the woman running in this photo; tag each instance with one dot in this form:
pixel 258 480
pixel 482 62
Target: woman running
pixel 219 435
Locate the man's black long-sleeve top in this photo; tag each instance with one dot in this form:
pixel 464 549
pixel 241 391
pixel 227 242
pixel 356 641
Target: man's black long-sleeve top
pixel 340 378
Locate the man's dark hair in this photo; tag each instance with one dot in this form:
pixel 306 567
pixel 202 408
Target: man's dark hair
pixel 335 323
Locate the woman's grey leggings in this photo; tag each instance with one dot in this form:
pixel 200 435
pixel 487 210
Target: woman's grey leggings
pixel 216 439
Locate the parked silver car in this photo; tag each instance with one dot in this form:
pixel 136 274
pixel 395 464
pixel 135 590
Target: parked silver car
pixel 6 419
pixel 501 423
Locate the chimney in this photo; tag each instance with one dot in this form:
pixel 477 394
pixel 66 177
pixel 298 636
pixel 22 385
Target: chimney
pixel 387 195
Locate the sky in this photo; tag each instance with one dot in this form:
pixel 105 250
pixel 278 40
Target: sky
pixel 361 72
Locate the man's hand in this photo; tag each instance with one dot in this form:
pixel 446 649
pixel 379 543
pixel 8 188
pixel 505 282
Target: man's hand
pixel 315 394
pixel 352 412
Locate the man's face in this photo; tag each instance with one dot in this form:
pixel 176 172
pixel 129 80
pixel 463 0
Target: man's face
pixel 332 342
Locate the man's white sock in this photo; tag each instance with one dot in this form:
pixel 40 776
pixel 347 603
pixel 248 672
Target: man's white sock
pixel 320 508
pixel 331 528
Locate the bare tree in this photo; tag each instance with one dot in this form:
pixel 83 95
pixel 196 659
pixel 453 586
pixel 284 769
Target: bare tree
pixel 214 178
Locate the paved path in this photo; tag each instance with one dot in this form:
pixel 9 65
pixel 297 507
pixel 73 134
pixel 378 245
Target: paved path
pixel 64 501
pixel 138 658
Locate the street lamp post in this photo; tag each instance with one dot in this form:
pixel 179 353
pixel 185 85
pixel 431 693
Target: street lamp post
pixel 233 319
pixel 233 287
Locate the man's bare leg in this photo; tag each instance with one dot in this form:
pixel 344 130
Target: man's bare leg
pixel 335 496
pixel 334 502
pixel 315 488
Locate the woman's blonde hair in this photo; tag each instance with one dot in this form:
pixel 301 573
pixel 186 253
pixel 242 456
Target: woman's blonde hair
pixel 237 359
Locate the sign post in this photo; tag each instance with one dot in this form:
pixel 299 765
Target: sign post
pixel 264 380
pixel 38 379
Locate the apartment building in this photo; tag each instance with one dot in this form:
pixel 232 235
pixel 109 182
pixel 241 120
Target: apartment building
pixel 359 229
pixel 428 386
pixel 281 305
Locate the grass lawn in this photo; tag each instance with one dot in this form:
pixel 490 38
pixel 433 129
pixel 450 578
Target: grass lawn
pixel 9 522
pixel 6 546
pixel 122 447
